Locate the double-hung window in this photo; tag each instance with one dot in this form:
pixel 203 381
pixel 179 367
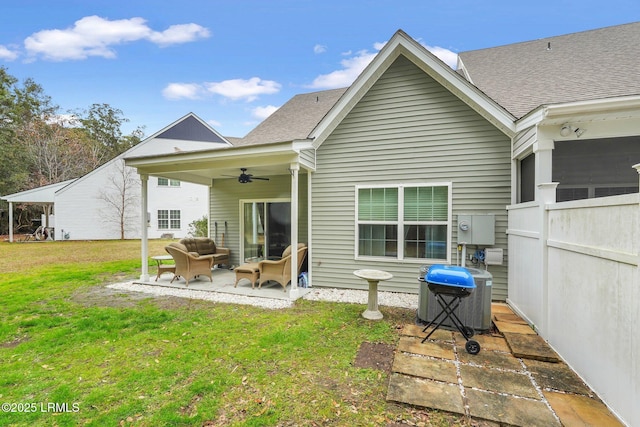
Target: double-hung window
pixel 165 182
pixel 404 221
pixel 168 219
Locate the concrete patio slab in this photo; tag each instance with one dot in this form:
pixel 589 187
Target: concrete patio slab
pixel 425 367
pixel 576 410
pixel 223 282
pixel 511 410
pixel 529 346
pixel 556 376
pixel 426 393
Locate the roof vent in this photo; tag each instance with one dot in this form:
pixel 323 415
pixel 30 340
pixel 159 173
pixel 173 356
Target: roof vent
pixel 548 45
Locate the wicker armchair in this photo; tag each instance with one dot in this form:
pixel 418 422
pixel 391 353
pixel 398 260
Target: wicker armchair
pixel 280 271
pixel 189 265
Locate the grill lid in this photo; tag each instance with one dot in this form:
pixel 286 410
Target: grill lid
pixel 450 275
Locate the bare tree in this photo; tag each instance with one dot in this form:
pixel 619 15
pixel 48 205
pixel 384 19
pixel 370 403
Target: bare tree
pixel 120 195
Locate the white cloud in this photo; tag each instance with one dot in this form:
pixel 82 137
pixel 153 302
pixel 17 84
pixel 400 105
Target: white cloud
pixel 447 56
pixel 248 90
pixel 233 89
pixel 263 112
pixel 351 68
pixel 183 33
pixel 182 90
pixel 353 65
pixel 319 48
pixel 96 36
pixel 214 123
pixel 7 54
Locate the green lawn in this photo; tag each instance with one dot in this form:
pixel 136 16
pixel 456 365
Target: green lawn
pixel 75 353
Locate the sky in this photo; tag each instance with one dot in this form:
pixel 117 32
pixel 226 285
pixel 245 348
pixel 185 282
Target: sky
pixel 233 62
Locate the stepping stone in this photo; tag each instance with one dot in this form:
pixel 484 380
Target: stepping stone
pixel 556 376
pixel 498 381
pixel 491 359
pixel 514 411
pixel 529 346
pixel 576 410
pixel 418 366
pixel 486 341
pixel 501 308
pixel 416 331
pixel 509 318
pixel 428 348
pixel 425 393
pixel 505 327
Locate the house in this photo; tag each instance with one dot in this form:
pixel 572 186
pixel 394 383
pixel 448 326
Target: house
pixel 92 207
pixel 380 174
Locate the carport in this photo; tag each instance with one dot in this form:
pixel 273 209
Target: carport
pixel 43 196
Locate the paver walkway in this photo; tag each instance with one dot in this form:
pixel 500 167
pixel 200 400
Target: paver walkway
pixel 531 388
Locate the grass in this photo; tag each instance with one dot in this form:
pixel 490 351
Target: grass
pixel 74 353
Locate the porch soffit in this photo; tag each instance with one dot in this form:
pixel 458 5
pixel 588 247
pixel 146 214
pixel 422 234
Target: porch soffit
pixel 201 167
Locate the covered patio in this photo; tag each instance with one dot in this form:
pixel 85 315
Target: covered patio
pixel 223 283
pixel 279 164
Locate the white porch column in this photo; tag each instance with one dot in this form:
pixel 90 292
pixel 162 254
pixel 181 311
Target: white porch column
pixel 10 221
pixel 637 168
pixel 309 229
pixel 295 292
pixel 144 235
pixel 547 195
pixel 543 150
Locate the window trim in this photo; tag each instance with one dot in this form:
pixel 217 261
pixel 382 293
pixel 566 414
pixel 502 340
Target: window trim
pixel 400 223
pixel 169 219
pixel 171 183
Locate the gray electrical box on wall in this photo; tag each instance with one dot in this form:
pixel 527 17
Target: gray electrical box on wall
pixel 477 229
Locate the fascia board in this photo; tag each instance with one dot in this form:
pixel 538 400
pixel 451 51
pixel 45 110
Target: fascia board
pixel 401 43
pixel 606 105
pixel 206 159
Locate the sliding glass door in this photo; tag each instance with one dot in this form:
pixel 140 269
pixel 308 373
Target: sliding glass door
pixel 266 228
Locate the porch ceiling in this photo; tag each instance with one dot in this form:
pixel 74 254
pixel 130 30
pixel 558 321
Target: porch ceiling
pixel 201 167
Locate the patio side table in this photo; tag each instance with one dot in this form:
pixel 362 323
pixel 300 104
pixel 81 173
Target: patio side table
pixel 164 268
pixel 373 277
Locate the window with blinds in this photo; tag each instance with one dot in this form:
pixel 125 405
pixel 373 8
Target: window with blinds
pixel 404 221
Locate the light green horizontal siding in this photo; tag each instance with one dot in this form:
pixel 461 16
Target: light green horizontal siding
pixel 406 129
pixel 225 206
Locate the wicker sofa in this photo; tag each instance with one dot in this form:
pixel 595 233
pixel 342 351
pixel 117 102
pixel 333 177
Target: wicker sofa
pixel 206 246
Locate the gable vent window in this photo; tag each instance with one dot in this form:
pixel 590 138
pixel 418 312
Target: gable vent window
pixel 403 222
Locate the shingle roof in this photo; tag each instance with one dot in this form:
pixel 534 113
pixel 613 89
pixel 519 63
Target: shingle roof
pixel 589 65
pixel 295 119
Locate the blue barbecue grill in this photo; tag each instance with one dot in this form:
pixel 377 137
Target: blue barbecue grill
pixel 449 284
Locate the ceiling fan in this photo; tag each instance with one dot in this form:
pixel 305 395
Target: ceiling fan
pixel 247 177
